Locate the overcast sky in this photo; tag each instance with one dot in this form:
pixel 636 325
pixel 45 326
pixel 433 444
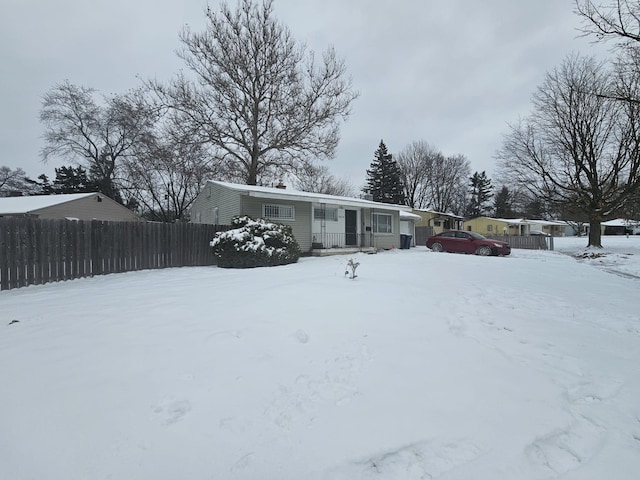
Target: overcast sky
pixel 453 73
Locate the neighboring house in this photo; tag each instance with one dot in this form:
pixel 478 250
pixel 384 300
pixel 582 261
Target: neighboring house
pixel 319 222
pixel 496 226
pixel 621 226
pixel 438 221
pixel 554 228
pixel 514 226
pixel 70 206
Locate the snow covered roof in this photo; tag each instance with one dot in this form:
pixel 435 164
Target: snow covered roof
pixel 620 222
pixel 23 205
pixel 526 221
pixel 409 216
pixel 428 210
pixel 297 195
pixel 545 222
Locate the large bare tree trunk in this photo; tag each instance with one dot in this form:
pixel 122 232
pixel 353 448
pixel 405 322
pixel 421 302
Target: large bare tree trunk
pixel 595 235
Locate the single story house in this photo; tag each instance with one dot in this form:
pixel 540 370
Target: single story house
pixel 70 206
pixel 321 223
pixel 555 228
pixel 438 221
pixel 621 226
pixel 515 226
pixel 496 226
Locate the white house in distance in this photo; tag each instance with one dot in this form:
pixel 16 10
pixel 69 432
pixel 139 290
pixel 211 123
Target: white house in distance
pixel 70 206
pixel 321 223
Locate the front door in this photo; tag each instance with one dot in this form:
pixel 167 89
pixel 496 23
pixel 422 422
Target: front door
pixel 350 227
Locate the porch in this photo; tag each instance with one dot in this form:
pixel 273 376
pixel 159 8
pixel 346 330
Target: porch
pixel 323 244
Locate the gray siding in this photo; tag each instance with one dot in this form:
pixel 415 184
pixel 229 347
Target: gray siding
pixel 89 208
pixel 301 226
pixel 386 240
pixel 226 200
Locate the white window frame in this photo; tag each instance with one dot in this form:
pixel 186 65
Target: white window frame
pixel 375 227
pixel 330 213
pixel 278 212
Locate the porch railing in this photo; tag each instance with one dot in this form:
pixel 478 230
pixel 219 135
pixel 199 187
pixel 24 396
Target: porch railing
pixel 341 240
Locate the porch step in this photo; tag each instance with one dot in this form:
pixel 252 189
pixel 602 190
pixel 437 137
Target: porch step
pixel 323 252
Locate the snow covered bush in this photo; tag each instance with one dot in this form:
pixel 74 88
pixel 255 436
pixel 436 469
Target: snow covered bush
pixel 255 243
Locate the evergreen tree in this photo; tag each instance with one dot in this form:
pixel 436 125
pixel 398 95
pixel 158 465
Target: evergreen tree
pixel 73 180
pixel 503 203
pixel 480 192
pixel 68 180
pixel 383 178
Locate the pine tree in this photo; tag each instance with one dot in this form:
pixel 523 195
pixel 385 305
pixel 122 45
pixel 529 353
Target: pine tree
pixel 480 191
pixel 73 180
pixel 383 178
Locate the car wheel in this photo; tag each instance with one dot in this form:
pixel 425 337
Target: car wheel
pixel 484 251
pixel 437 247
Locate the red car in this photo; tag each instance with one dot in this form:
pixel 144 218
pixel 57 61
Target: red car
pixel 467 242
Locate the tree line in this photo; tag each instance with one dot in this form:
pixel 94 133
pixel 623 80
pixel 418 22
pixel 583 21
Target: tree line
pixel 423 178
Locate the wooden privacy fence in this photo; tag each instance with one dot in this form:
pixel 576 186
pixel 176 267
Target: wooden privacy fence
pixel 34 251
pixel 421 235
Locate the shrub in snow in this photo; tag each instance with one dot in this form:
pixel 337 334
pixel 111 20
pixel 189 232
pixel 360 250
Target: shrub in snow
pixel 351 265
pixel 255 243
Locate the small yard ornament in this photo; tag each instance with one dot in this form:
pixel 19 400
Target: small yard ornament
pixel 352 265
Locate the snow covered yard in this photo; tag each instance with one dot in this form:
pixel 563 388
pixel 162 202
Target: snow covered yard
pixel 425 366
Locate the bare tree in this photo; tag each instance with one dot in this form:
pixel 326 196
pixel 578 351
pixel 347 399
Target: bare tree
pixel 311 177
pixel 432 180
pixel 97 136
pixel 447 183
pixel 14 182
pixel 415 162
pixel 580 148
pixel 259 98
pixel 165 177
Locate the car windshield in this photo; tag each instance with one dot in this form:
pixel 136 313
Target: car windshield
pixel 477 236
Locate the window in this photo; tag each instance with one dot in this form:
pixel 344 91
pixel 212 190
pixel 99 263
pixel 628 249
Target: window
pixel 382 223
pixel 437 223
pixel 489 228
pixel 216 216
pixel 327 213
pixel 280 212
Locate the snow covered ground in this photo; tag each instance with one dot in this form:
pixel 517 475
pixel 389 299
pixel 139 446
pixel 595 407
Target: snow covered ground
pixel 425 366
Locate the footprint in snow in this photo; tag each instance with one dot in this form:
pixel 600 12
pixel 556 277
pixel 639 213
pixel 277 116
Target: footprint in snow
pixel 171 410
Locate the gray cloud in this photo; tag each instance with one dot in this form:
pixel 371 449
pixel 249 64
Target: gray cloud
pixel 453 73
